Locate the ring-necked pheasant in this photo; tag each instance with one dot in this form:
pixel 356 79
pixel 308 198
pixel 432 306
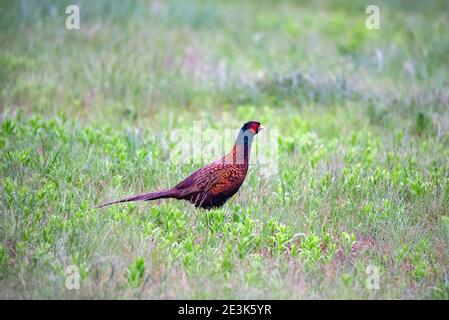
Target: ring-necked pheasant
pixel 211 186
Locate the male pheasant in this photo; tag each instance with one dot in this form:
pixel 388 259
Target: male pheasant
pixel 211 186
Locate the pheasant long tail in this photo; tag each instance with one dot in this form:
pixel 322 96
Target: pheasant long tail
pixel 145 197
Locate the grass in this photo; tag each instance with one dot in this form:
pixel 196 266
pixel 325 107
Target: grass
pixel 87 116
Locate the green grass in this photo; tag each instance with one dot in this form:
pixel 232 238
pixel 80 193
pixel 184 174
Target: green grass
pixel 86 116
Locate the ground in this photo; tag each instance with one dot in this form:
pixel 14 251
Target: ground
pixel 361 190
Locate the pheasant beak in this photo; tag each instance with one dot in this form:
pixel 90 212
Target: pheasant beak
pixel 260 128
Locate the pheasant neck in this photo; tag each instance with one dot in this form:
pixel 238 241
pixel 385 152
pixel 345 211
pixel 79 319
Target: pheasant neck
pixel 242 147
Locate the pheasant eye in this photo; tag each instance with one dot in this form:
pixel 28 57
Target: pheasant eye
pixel 255 128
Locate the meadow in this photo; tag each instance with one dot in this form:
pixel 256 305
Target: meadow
pixel 86 116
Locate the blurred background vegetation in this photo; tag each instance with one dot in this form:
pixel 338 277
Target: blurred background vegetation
pixel 363 154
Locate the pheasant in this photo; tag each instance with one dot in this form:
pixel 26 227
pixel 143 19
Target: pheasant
pixel 212 185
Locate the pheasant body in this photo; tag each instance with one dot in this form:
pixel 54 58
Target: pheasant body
pixel 212 185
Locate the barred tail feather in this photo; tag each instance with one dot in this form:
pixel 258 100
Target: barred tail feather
pixel 143 197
